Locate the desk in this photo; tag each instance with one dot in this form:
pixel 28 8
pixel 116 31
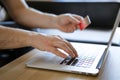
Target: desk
pixel 17 70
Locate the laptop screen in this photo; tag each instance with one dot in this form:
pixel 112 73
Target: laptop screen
pixel 117 21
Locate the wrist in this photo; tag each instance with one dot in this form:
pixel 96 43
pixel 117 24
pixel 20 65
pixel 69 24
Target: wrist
pixel 52 19
pixel 29 39
pixel 34 39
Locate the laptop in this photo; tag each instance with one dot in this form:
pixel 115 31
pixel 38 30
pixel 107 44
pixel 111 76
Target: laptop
pixel 90 60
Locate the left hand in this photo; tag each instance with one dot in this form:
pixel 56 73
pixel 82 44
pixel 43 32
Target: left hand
pixel 68 22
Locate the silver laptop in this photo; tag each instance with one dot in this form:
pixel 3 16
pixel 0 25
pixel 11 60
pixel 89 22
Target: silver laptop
pixel 90 60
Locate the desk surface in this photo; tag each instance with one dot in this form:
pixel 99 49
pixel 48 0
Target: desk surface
pixel 17 70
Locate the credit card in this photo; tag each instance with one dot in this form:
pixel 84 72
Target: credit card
pixel 84 23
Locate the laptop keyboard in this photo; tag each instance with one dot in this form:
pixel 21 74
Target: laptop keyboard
pixel 86 57
pixel 85 62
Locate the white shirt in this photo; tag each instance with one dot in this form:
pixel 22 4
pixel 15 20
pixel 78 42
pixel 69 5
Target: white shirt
pixel 3 14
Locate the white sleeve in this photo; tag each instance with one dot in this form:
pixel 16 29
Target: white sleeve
pixel 3 14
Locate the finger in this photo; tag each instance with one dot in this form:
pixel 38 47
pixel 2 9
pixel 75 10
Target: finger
pixel 72 19
pixel 71 47
pixel 74 51
pixel 75 27
pixel 71 28
pixel 66 48
pixel 68 28
pixel 78 17
pixel 58 53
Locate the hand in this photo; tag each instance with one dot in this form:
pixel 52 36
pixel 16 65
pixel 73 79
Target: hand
pixel 53 44
pixel 68 22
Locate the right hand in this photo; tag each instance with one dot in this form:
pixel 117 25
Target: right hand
pixel 52 43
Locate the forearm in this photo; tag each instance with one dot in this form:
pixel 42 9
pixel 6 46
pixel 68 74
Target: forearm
pixel 27 16
pixel 13 38
pixel 35 19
